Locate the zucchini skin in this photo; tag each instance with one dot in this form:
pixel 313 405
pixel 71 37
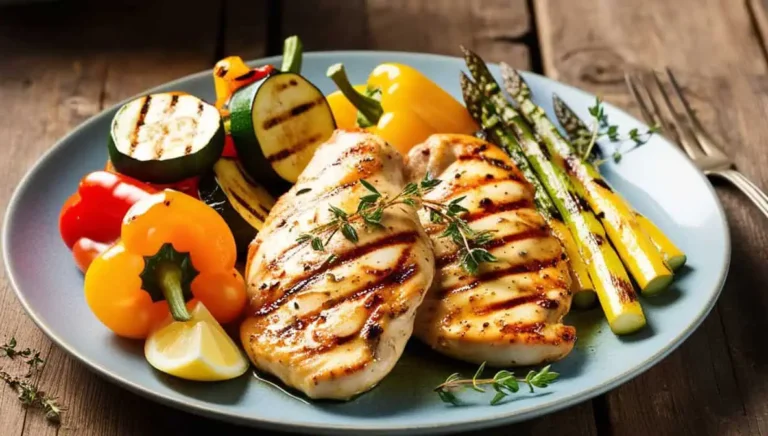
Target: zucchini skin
pixel 246 143
pixel 213 195
pixel 579 134
pixel 244 205
pixel 673 256
pixel 617 297
pixel 170 170
pixel 277 175
pixel 636 249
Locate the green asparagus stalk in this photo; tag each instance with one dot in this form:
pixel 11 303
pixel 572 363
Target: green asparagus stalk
pixel 582 138
pixel 582 284
pixel 637 251
pixel 614 290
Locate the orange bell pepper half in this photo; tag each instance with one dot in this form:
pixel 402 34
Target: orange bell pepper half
pixel 173 250
pixel 231 74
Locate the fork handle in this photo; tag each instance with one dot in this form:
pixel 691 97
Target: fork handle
pixel 751 190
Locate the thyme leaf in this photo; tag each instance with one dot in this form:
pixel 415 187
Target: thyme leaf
pixel 504 383
pixel 370 210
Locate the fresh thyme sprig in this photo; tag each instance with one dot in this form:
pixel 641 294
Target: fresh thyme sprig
pixel 31 396
pixel 503 382
pixel 603 129
pixel 9 350
pixel 470 241
pixel 28 393
pixel 35 363
pixel 370 210
pixel 33 357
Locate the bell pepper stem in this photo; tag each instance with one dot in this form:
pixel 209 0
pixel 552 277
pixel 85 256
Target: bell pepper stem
pixel 169 278
pixel 292 52
pixel 369 107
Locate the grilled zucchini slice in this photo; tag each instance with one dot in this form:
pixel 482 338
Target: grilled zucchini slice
pixel 165 138
pixel 276 124
pixel 243 204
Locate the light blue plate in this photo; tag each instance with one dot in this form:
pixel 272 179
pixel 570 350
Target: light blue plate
pixel 657 179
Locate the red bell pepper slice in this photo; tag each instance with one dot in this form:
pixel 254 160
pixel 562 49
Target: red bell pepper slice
pixel 96 210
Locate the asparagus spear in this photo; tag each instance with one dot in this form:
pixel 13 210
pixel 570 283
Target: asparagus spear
pixel 635 248
pixel 615 292
pixel 578 132
pixel 581 138
pixel 582 284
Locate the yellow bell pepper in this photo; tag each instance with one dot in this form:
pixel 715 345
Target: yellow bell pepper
pixel 399 126
pixel 410 107
pixel 344 112
pixel 404 87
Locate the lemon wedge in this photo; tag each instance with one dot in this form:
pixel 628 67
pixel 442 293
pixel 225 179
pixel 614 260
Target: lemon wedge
pixel 198 349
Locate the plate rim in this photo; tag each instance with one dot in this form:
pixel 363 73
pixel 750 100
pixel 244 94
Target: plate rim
pixel 517 415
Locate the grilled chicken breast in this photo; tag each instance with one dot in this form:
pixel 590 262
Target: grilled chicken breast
pixel 335 329
pixel 510 313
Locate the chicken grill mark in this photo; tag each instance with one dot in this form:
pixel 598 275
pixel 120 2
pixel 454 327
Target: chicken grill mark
pixel 320 270
pixel 510 312
pixel 334 328
pixel 525 268
pixel 396 276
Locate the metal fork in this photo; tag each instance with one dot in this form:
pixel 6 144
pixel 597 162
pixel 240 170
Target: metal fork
pixel 691 137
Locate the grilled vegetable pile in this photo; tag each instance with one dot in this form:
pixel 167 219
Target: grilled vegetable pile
pixel 157 233
pixel 613 242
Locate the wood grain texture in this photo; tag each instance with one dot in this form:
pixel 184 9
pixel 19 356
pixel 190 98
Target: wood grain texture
pixel 743 109
pixel 493 28
pixel 52 78
pixel 44 97
pixel 713 384
pixel 590 44
pixel 758 10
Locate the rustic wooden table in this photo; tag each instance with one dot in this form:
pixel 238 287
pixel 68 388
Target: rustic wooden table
pixel 62 62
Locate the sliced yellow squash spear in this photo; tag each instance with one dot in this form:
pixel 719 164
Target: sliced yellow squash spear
pixel 636 249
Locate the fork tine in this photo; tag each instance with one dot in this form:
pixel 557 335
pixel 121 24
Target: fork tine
pixel 686 136
pixel 708 146
pixel 653 116
pixel 649 118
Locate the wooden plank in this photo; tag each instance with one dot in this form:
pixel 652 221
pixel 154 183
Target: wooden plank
pixel 743 108
pixel 576 420
pixel 692 392
pixel 51 79
pixel 327 25
pixel 758 10
pixel 589 44
pixel 710 385
pixel 492 27
pixel 43 98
